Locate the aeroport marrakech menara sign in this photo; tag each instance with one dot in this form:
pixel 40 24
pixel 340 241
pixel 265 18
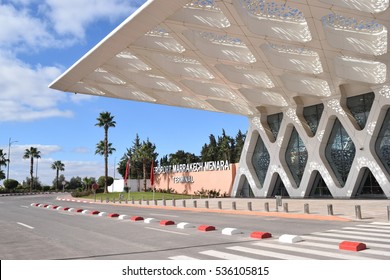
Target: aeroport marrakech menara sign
pixel 187 168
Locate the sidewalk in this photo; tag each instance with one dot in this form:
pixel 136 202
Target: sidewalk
pixel 316 209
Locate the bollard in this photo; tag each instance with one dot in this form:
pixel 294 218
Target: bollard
pixel 195 204
pixel 285 207
pixel 219 204
pixel 140 201
pixel 249 206
pixel 107 200
pixel 126 201
pixel 101 199
pixel 306 208
pixel 184 203
pixel 113 200
pixel 173 202
pixel 132 200
pixel 147 201
pixel 330 209
pixel 358 212
pixel 155 202
pixel 388 213
pixel 164 202
pixel 234 207
pixel 206 204
pixel 266 207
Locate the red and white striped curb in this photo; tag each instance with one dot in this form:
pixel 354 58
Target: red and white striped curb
pixel 181 225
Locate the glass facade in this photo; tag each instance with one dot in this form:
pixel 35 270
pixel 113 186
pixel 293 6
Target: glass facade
pixel 360 107
pixel 260 160
pixel 340 152
pixel 312 115
pixel 369 186
pixel 246 190
pixel 382 145
pixel 280 189
pixel 320 189
pixel 296 156
pixel 274 122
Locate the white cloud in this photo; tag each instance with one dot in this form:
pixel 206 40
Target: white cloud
pixel 81 150
pixel 24 92
pixel 73 16
pixel 32 26
pixel 20 30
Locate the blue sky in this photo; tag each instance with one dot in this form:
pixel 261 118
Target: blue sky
pixel 39 40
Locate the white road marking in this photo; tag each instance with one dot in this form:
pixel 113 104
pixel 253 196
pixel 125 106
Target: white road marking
pixel 224 256
pixel 309 251
pixel 332 240
pixel 182 258
pixel 27 226
pixel 164 215
pixel 23 206
pixel 267 253
pixel 363 233
pixel 349 236
pixel 368 229
pixel 167 231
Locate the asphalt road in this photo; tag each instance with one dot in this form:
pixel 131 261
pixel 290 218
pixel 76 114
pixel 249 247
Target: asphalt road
pixel 30 232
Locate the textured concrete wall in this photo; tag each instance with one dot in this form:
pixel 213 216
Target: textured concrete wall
pixel 364 141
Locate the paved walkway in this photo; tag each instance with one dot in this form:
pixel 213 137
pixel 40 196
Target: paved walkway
pixel 316 209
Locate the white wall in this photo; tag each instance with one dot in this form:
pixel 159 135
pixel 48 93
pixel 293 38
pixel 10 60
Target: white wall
pixel 135 185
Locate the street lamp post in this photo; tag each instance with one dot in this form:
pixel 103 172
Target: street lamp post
pixel 9 155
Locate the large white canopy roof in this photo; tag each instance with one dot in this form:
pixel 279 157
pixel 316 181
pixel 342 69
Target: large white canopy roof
pixel 239 56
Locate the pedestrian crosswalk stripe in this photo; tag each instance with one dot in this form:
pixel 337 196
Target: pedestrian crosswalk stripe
pixel 224 256
pixel 333 240
pixel 182 258
pixel 374 226
pixel 314 245
pixel 357 237
pixel 381 224
pixel 360 233
pixel 368 229
pixel 302 250
pixel 369 251
pixel 265 253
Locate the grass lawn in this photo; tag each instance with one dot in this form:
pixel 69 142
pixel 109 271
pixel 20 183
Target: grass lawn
pixel 138 196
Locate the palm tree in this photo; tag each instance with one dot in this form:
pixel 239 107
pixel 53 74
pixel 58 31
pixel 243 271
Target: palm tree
pixel 145 154
pixel 31 154
pixel 58 166
pixel 100 148
pixel 105 120
pixel 3 161
pixel 88 181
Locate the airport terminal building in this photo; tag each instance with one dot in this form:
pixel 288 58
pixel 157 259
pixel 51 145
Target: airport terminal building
pixel 311 76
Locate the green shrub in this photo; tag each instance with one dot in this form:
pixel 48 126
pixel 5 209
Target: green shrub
pixel 100 181
pixel 11 184
pixel 81 193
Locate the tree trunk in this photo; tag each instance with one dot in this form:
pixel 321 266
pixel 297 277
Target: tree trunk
pixel 58 171
pixel 105 159
pixel 31 173
pixel 144 171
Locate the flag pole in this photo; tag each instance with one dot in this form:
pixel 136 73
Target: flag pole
pixel 152 177
pixel 126 175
